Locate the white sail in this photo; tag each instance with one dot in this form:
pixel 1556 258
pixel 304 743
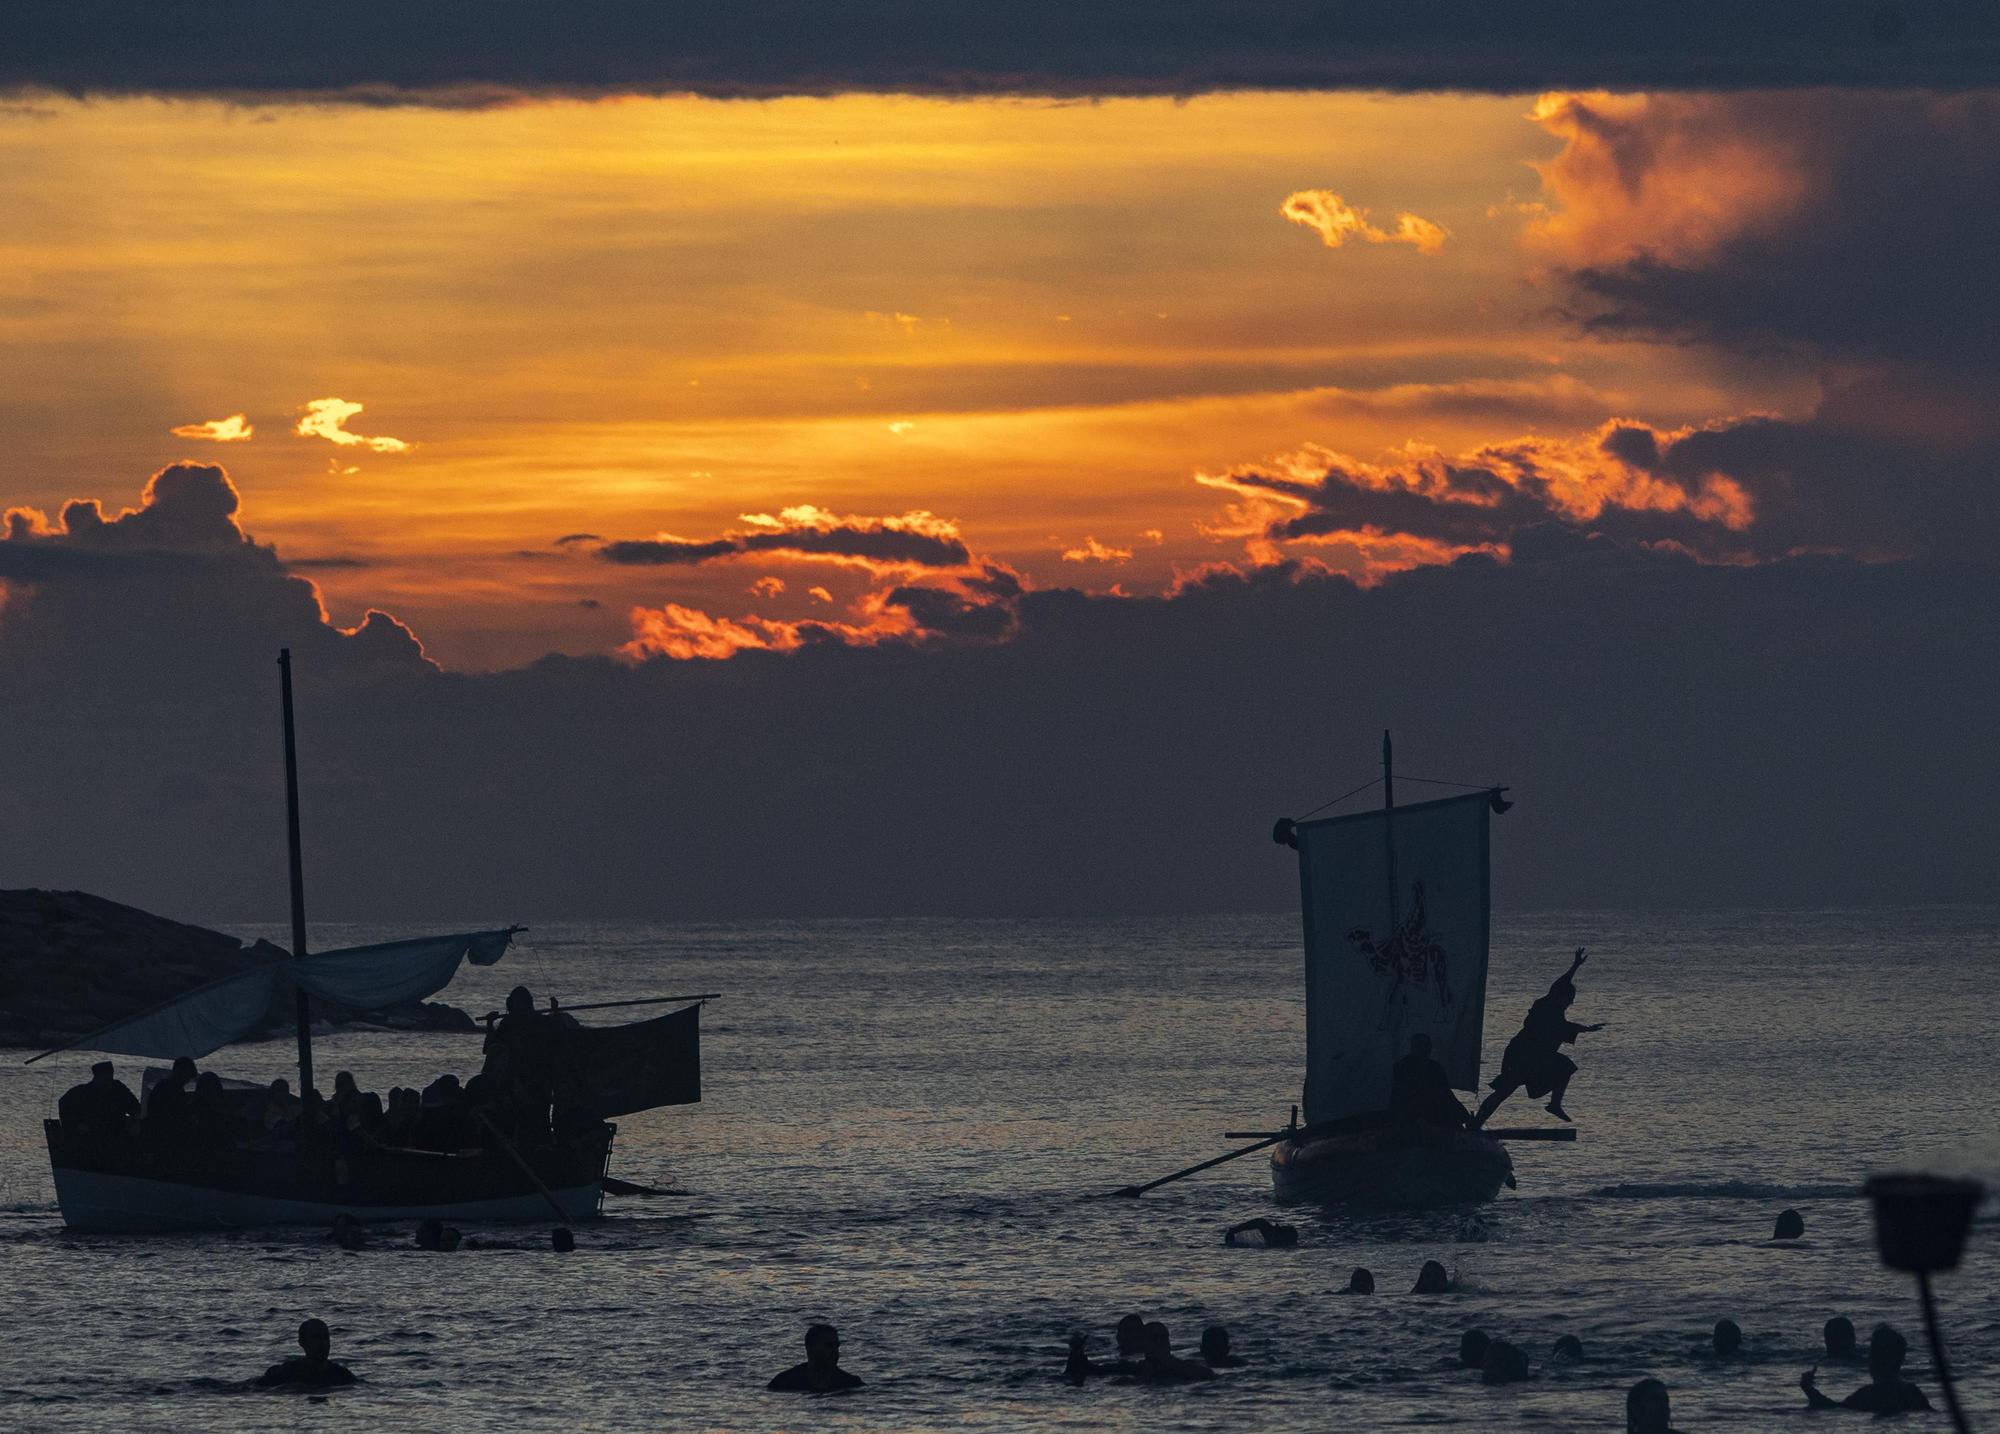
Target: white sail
pixel 1395 907
pixel 362 978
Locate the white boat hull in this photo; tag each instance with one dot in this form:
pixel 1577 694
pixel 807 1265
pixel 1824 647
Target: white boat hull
pixel 100 1203
pixel 1397 1168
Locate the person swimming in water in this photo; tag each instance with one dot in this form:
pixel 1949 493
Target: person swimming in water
pixel 1727 1341
pixel 1886 1391
pixel 311 1370
pixel 1504 1363
pixel 1215 1349
pixel 1841 1347
pixel 1162 1366
pixel 821 1373
pixel 1130 1335
pixel 1568 1350
pixel 1271 1234
pixel 1432 1280
pixel 1647 1408
pixel 1472 1348
pixel 1360 1282
pixel 1079 1366
pixel 1534 1057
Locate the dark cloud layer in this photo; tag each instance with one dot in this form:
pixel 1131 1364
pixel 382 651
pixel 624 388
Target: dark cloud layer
pixel 1678 733
pixel 872 544
pixel 374 50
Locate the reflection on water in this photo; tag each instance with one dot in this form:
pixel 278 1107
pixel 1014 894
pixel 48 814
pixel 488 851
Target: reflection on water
pixel 901 1120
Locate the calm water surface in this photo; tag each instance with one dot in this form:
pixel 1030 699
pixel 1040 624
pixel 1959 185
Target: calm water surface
pixel 901 1120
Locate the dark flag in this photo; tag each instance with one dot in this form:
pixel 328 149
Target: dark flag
pixel 615 1070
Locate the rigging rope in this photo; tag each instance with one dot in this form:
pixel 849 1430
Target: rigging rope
pixel 1374 781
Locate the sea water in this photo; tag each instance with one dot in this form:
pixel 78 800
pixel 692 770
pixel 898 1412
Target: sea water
pixel 903 1125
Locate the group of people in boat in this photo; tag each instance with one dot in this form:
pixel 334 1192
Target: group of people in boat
pixel 513 1094
pixel 1420 1090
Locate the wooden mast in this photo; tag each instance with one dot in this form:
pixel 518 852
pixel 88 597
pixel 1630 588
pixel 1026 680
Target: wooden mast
pixel 298 872
pixel 1389 828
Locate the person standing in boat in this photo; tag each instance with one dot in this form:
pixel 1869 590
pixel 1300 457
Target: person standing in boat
pixel 520 1059
pixel 1534 1058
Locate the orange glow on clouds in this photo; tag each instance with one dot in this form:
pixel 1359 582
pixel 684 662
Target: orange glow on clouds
pixel 234 429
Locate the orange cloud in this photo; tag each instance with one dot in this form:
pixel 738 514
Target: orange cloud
pixel 768 587
pixel 1336 222
pixel 1092 551
pixel 234 429
pixel 327 418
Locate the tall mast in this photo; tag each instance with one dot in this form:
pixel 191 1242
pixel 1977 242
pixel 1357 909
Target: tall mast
pixel 1389 827
pixel 298 872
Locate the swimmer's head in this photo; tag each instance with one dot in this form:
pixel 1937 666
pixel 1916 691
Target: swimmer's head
pixel 1728 1336
pixel 1158 1343
pixel 449 1240
pixel 1214 1343
pixel 1568 1348
pixel 1647 1409
pixel 1432 1279
pixel 1791 1226
pixel 1361 1282
pixel 822 1345
pixel 315 1339
pixel 1472 1348
pixel 1131 1334
pixel 1886 1352
pixel 1840 1341
pixel 561 1240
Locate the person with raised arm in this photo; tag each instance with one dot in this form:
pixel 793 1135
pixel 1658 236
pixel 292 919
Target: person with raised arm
pixel 1534 1057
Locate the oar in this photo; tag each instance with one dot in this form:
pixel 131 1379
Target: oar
pixel 526 1169
pixel 1135 1190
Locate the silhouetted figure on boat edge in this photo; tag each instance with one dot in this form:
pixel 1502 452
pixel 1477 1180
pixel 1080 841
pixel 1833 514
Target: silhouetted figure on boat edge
pixel 1647 1409
pixel 1886 1391
pixel 1360 1282
pixel 168 1118
pixel 821 1373
pixel 1841 1347
pixel 1472 1348
pixel 312 1370
pixel 102 1108
pixel 1160 1365
pixel 1419 1090
pixel 1215 1349
pixel 1504 1363
pixel 520 1064
pixel 1727 1341
pixel 1432 1280
pixel 1534 1057
pixel 1270 1234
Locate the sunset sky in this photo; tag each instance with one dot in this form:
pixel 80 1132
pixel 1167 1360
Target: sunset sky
pixel 898 351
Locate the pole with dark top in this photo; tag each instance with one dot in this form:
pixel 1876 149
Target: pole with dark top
pixel 298 872
pixel 1389 829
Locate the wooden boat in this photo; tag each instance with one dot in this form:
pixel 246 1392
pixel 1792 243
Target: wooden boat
pixel 1395 904
pixel 118 1181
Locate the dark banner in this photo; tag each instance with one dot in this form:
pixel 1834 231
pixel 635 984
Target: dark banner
pixel 615 1070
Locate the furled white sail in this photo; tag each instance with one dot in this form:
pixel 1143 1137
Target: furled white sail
pixel 1395 909
pixel 362 978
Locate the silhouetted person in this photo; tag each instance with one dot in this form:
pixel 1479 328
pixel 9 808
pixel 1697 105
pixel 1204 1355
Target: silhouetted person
pixel 821 1373
pixel 450 1239
pixel 1838 1333
pixel 561 1240
pixel 1419 1090
pixel 1534 1057
pixel 520 1061
pixel 1504 1363
pixel 211 1115
pixel 1647 1409
pixel 429 1236
pixel 346 1097
pixel 312 1370
pixel 347 1232
pixel 1432 1280
pixel 1886 1391
pixel 1568 1350
pixel 101 1107
pixel 1215 1349
pixel 1269 1233
pixel 1131 1336
pixel 1472 1348
pixel 1161 1366
pixel 1360 1282
pixel 1131 1339
pixel 1727 1341
pixel 1791 1225
pixel 1077 1367
pixel 167 1114
pixel 278 1109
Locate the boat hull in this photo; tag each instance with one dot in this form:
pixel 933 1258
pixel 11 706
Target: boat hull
pixel 1398 1168
pixel 126 1188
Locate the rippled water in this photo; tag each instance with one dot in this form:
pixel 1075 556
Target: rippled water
pixel 902 1119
